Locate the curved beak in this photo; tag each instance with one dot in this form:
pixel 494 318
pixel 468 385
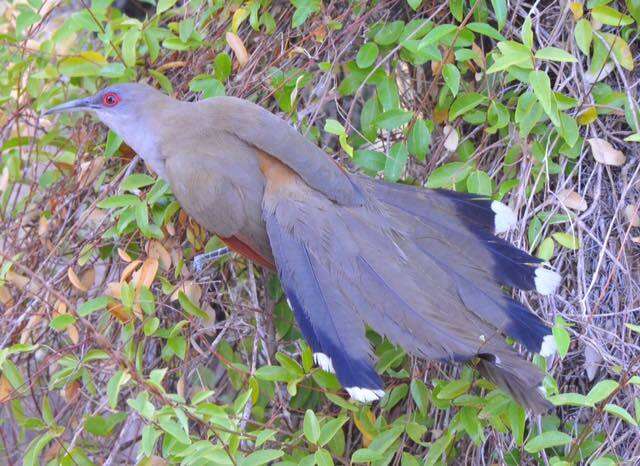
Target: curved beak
pixel 73 105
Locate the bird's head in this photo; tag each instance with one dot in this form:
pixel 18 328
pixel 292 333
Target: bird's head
pixel 127 109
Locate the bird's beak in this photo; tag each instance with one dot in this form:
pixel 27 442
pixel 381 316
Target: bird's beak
pixel 74 105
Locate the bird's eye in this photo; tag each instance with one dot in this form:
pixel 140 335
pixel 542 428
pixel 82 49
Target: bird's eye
pixel 110 99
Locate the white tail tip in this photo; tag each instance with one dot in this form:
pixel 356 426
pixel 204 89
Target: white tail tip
pixel 547 281
pixel 364 395
pixel 548 347
pixel 505 217
pixel 324 362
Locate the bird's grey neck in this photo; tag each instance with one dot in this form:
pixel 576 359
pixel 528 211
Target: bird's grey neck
pixel 142 139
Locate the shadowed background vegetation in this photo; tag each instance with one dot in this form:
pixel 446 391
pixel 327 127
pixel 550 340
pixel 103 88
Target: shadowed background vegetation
pixel 112 351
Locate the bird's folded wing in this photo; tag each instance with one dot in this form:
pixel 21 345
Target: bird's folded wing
pixel 258 127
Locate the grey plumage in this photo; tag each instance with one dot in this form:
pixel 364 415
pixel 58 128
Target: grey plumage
pixel 420 267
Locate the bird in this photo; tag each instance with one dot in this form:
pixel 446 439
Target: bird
pixel 422 267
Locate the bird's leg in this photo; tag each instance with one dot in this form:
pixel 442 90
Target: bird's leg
pixel 201 261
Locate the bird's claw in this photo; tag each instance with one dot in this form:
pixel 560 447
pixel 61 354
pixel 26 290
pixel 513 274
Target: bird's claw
pixel 202 261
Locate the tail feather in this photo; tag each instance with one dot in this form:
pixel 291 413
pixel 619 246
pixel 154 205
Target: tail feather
pixel 518 377
pixel 463 218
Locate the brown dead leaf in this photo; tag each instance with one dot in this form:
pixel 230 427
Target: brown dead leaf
pixel 75 280
pixel 237 45
pixel 605 153
pixel 123 255
pixel 19 281
pixel 71 391
pixel 128 270
pixel 89 171
pixel 451 138
pixel 156 250
pixel 146 274
pixel 118 311
pixel 88 278
pixel 572 200
pixel 631 214
pixel 191 289
pixel 74 336
pixel 114 289
pixel 5 389
pixel 5 297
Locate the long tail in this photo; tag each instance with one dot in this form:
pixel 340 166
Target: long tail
pixel 409 266
pixel 521 379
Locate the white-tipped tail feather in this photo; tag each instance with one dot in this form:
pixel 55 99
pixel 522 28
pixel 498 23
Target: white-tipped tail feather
pixel 364 395
pixel 324 362
pixel 547 281
pixel 505 217
pixel 548 347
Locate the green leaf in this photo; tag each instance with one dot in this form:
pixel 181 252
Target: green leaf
pixel 478 182
pixel 136 181
pixel 419 140
pixel 32 454
pixel 454 389
pixel 464 103
pixel 389 33
pixel 113 387
pixel 485 30
pixel 546 249
pixel 500 10
pixel 545 440
pixel 451 77
pixel 395 162
pixel 311 427
pixel 260 457
pixel 570 399
pixel 113 144
pixel 526 33
pixel 222 66
pixel 370 160
pixel 330 429
pixel 562 337
pixel 610 16
pixel 633 6
pixel 583 33
pixel 367 55
pixel 620 412
pixel 323 458
pixel 541 86
pixel 119 200
pixel 190 308
pixel 448 175
pixel 567 240
pixel 334 127
pixel 437 33
pixel 62 321
pixel 101 426
pixel 164 5
pixel 414 4
pixel 602 390
pixel 393 119
pixel 555 54
pixel 93 305
pixel 175 430
pixel 129 44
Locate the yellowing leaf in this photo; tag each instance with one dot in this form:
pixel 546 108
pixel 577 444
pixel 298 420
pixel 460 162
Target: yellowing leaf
pixel 237 45
pixel 605 153
pixel 576 10
pixel 588 116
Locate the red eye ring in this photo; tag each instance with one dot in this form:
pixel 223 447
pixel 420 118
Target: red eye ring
pixel 110 99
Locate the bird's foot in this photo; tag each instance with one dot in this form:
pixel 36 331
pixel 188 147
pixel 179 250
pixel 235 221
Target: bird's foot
pixel 202 261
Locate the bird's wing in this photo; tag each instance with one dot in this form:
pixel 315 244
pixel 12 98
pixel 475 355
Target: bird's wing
pixel 260 128
pixel 222 190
